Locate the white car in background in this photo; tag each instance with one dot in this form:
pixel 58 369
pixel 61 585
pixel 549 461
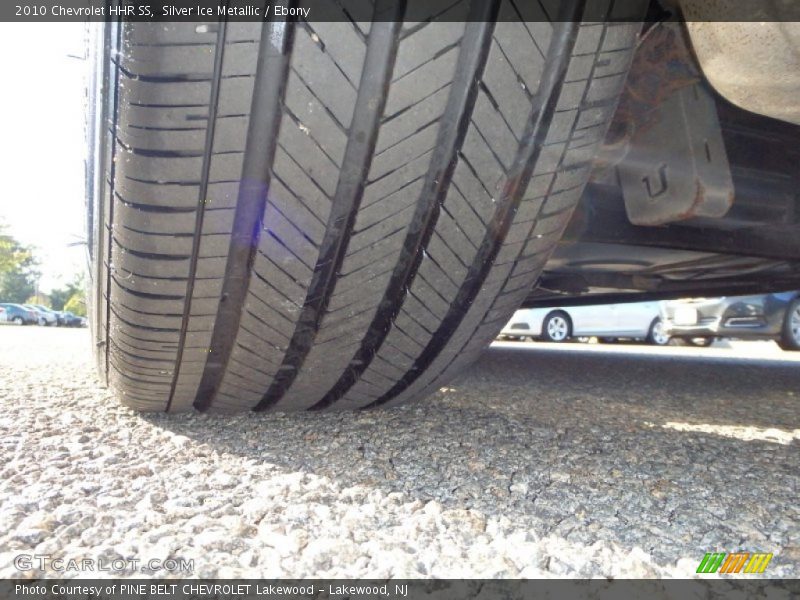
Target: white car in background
pixel 44 316
pixel 635 320
pixel 48 314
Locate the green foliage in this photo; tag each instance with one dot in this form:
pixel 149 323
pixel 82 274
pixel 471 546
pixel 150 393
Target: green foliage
pixel 60 297
pixel 40 300
pixel 76 304
pixel 18 269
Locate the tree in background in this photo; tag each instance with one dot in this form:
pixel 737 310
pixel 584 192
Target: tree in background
pixel 39 299
pixel 18 269
pixel 76 304
pixel 60 297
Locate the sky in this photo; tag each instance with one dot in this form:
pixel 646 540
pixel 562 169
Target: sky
pixel 42 146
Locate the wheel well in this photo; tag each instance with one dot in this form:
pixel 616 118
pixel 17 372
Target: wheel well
pixel 792 300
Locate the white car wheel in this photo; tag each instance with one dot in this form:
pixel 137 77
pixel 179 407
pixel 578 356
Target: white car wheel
pixel 790 338
pixel 794 324
pixel 657 335
pixel 557 328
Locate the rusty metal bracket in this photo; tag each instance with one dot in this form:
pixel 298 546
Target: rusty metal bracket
pixel 678 169
pixel 665 147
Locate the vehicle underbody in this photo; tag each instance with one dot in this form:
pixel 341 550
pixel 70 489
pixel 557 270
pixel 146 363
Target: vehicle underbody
pixel 684 201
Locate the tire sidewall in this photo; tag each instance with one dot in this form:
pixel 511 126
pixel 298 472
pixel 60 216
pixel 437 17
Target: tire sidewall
pixel 788 340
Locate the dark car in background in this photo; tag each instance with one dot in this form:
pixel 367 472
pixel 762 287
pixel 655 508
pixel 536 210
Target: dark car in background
pixel 762 317
pixel 18 314
pixel 68 319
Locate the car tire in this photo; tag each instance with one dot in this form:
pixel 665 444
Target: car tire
pixel 790 335
pixel 696 342
pixel 18 321
pixel 557 327
pixel 302 215
pixel 656 335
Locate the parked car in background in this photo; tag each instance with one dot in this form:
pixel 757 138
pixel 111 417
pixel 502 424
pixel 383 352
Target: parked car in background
pixel 52 315
pixel 763 317
pixel 635 320
pixel 40 320
pixel 69 319
pixel 3 315
pixel 44 315
pixel 18 314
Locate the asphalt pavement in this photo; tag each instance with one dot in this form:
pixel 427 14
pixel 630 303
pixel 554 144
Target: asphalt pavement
pixel 542 461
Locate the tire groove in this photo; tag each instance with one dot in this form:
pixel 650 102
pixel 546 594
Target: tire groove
pixel 299 231
pixel 274 332
pixel 115 344
pixel 359 232
pixel 248 351
pixel 286 247
pixel 389 118
pixel 281 269
pixel 144 327
pixel 320 43
pixel 564 38
pixel 265 116
pixel 316 183
pixel 398 167
pixel 438 54
pixel 372 94
pixel 263 279
pixel 272 310
pixel 324 106
pixel 302 126
pixel 421 128
pixel 470 64
pixel 401 188
pixel 504 293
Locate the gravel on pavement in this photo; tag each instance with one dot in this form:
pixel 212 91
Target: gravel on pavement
pixel 541 461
